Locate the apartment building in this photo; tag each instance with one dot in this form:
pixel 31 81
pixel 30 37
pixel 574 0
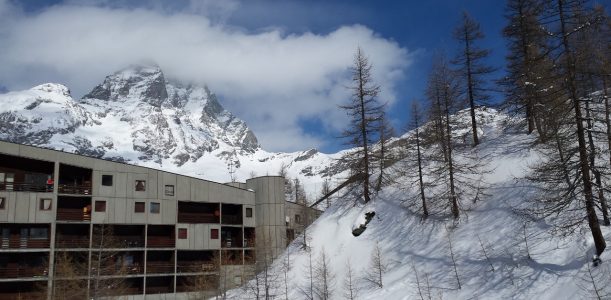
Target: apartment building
pixel 97 227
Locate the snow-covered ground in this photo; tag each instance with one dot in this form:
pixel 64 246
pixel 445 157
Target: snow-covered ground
pixel 418 250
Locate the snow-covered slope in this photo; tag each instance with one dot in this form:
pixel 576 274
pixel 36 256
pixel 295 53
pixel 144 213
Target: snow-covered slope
pixel 138 116
pixel 416 250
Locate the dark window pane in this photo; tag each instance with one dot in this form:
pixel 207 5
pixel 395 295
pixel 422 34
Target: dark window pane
pixel 214 234
pixel 100 206
pixel 140 185
pixel 139 207
pixel 107 180
pixel 154 207
pixel 182 233
pixel 169 190
pixel 39 233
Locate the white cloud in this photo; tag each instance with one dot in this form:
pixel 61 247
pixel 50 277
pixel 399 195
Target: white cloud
pixel 270 79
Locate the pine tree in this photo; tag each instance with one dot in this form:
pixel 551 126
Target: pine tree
pixel 377 268
pixel 443 92
pixel 416 117
pixel 452 177
pixel 364 113
pixel 471 66
pixel 324 284
pixel 528 68
pixel 565 10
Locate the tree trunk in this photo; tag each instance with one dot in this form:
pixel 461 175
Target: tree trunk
pixel 425 211
pixel 364 136
pixel 595 171
pixel 599 240
pixel 606 95
pixel 453 199
pixel 470 91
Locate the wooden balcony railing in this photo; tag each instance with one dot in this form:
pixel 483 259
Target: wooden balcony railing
pixel 23 295
pixel 112 269
pixel 231 243
pixel 232 219
pixel 118 241
pixel 72 214
pixel 184 217
pixel 159 267
pixel 23 271
pixel 72 242
pixel 25 187
pixel 161 242
pixel 15 242
pixel 74 189
pixel 195 267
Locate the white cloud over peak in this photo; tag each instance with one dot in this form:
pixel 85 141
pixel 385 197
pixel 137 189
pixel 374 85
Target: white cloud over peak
pixel 270 79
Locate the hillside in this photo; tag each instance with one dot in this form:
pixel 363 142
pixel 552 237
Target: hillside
pixel 416 250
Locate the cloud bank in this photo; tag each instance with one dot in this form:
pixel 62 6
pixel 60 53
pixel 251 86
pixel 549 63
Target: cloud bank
pixel 273 80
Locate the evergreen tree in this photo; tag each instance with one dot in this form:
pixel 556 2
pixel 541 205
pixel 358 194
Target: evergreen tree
pixel 364 112
pixel 471 66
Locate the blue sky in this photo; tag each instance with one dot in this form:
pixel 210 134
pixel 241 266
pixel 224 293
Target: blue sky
pixel 302 49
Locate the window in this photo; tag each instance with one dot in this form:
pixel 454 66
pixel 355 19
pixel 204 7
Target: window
pixel 169 190
pixel 154 207
pixel 140 185
pixel 2 202
pixel 107 180
pixel 100 206
pixel 139 207
pixel 45 204
pixel 214 234
pixel 39 233
pixel 249 212
pixel 182 233
pixel 298 219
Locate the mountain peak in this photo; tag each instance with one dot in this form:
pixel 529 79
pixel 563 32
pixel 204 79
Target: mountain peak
pixel 54 88
pixel 142 82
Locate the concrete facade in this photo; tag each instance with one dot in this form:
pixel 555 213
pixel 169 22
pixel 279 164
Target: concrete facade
pixel 169 226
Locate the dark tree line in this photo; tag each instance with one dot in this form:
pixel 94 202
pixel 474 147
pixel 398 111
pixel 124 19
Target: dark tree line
pixel 557 63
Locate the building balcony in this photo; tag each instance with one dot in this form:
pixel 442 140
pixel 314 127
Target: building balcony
pixel 72 242
pixel 74 189
pixel 73 214
pixel 15 242
pixel 25 187
pixel 121 241
pixel 231 220
pixel 23 271
pixel 159 267
pixel 161 242
pixel 119 270
pixel 184 217
pixel 231 237
pixel 24 295
pixel 231 214
pixel 195 267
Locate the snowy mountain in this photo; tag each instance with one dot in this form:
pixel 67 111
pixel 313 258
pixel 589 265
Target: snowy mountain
pixel 498 253
pixel 138 116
